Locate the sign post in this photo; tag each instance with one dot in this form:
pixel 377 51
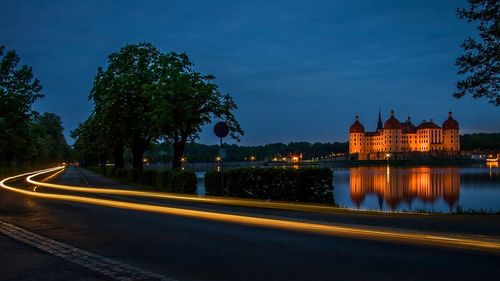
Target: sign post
pixel 221 130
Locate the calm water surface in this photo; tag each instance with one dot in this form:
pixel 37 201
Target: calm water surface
pixel 413 188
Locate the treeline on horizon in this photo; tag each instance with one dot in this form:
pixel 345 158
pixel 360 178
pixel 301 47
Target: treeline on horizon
pixel 28 137
pixel 480 141
pixel 196 152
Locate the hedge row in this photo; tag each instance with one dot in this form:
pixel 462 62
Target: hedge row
pixel 177 181
pixel 298 185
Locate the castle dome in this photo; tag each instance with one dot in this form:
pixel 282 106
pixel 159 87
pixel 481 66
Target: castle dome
pixel 356 127
pixel 392 123
pixel 450 123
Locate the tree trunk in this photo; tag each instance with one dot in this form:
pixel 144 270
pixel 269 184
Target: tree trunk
pixel 8 161
pixel 137 153
pixel 102 161
pixel 178 153
pixel 118 156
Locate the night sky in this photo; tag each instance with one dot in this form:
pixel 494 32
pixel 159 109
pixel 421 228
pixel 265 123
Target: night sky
pixel 299 71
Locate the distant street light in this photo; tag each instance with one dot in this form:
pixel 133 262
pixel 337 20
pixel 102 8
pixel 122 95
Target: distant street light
pixel 183 162
pixel 221 130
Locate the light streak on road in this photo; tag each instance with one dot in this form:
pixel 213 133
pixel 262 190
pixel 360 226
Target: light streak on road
pixel 386 235
pixel 208 200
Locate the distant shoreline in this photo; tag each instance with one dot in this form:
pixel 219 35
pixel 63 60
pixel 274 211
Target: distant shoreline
pixel 204 166
pixel 354 163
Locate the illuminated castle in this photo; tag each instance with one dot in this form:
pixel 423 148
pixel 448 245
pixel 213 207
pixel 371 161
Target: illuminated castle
pixel 396 140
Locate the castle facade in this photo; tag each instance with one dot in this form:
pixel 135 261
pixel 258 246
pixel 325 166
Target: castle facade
pixel 403 140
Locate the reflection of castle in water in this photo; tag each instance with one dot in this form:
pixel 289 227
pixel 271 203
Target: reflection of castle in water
pixel 397 185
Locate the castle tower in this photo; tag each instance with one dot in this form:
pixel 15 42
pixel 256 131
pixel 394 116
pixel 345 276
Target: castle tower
pixel 356 138
pixel 392 134
pixel 451 134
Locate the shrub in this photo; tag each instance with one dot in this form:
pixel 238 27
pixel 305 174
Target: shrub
pixel 297 185
pixel 162 179
pixel 111 172
pixel 165 180
pixel 102 169
pixel 120 173
pixel 213 184
pixel 133 175
pixel 148 177
pixel 180 181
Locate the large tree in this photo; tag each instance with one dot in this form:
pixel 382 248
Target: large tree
pixel 120 101
pixel 480 62
pixel 92 145
pixel 183 101
pixel 18 91
pixel 49 144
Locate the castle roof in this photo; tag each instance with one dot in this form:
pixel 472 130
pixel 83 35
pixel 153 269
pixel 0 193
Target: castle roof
pixel 357 127
pixel 408 127
pixel 392 122
pixel 427 125
pixel 372 134
pixel 450 123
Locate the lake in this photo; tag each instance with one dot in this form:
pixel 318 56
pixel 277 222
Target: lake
pixel 393 188
pixel 413 188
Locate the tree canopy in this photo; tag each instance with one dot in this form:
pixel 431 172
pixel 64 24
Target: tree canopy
pixel 184 100
pixel 26 135
pixel 121 106
pixel 479 65
pixel 145 96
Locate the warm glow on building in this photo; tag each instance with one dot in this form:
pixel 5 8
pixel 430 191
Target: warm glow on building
pixel 396 140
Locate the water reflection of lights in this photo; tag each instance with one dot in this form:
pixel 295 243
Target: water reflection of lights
pixel 404 185
pixel 494 171
pixel 387 235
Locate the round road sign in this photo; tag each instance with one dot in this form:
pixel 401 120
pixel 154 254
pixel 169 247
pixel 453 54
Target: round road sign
pixel 221 129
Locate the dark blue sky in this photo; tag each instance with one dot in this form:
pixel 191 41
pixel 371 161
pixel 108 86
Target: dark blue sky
pixel 298 70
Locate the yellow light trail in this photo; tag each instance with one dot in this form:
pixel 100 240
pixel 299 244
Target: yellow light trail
pixel 191 198
pixel 387 235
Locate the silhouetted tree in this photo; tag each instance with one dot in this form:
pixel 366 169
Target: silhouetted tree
pixel 480 61
pixel 48 142
pixel 480 141
pixel 18 91
pixel 92 145
pixel 120 102
pixel 184 100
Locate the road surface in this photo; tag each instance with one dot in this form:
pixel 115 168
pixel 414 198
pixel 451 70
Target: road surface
pixel 185 248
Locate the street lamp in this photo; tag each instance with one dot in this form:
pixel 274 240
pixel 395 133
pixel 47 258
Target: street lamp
pixel 183 162
pixel 218 159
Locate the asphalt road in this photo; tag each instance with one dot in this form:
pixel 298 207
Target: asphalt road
pixel 196 249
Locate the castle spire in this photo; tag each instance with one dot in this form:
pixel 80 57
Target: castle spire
pixel 379 123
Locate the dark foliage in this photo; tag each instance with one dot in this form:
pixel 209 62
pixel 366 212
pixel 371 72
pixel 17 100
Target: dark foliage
pixel 180 181
pixel 144 96
pixel 480 62
pixel 28 138
pixel 481 141
pixel 206 153
pixel 177 181
pixel 296 185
